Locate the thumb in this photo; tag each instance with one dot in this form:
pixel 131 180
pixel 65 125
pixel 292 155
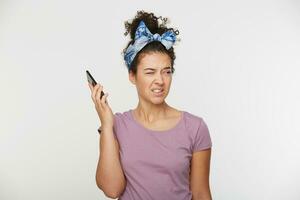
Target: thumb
pixel 106 101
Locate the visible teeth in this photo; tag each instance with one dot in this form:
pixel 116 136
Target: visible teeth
pixel 157 91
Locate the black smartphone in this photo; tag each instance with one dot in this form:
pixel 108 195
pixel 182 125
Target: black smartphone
pixel 92 81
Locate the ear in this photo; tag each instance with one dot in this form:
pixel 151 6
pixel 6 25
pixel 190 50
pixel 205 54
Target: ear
pixel 132 78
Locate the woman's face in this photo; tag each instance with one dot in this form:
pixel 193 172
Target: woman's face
pixel 153 72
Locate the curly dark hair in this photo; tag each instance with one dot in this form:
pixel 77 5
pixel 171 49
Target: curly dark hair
pixel 152 24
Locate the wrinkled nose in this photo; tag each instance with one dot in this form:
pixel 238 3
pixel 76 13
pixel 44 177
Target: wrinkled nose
pixel 159 79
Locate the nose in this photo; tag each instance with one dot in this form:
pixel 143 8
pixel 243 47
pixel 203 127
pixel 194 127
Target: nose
pixel 159 78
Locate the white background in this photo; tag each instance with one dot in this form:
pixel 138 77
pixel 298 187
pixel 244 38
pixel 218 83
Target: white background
pixel 237 66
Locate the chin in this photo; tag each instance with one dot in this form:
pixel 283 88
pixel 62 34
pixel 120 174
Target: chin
pixel 157 100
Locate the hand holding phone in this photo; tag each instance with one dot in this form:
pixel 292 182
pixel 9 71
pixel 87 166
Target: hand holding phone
pixel 103 109
pixel 92 81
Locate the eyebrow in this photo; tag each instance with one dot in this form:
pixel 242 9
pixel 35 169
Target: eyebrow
pixel 148 68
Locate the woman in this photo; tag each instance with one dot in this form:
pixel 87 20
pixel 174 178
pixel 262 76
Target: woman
pixel 154 151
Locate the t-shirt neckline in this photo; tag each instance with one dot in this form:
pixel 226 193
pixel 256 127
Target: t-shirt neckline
pixel 156 131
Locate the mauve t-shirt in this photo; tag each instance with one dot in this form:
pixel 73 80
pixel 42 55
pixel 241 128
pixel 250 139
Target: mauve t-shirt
pixel 156 164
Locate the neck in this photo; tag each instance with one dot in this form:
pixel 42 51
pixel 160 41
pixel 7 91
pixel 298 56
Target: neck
pixel 151 113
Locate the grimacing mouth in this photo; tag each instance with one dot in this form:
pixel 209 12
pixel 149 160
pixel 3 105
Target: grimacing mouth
pixel 160 89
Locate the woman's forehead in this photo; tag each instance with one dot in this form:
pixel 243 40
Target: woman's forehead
pixel 156 68
pixel 155 61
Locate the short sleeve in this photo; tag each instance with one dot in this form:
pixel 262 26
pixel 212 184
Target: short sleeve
pixel 202 139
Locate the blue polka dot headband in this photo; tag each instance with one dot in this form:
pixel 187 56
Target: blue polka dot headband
pixel 142 37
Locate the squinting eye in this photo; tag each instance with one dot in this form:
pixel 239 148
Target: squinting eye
pixel 168 72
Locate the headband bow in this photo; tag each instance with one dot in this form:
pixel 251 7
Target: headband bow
pixel 142 37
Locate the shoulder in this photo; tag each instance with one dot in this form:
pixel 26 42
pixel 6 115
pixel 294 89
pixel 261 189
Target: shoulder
pixel 196 125
pixel 192 116
pixel 122 118
pixel 120 121
pixel 122 115
pixel 199 132
pixel 193 120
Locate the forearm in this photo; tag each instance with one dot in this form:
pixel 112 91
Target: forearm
pixel 109 176
pixel 204 195
pixel 208 198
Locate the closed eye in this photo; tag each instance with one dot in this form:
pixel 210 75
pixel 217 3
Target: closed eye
pixel 168 72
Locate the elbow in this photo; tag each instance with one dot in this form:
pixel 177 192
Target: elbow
pixel 111 192
pixel 202 195
pixel 206 196
pixel 112 195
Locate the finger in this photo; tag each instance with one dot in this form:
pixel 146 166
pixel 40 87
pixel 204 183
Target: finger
pixel 91 87
pixel 98 94
pixel 95 89
pixel 104 98
pixel 93 94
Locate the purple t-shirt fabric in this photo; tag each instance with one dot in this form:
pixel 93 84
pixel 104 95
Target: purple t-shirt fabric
pixel 156 164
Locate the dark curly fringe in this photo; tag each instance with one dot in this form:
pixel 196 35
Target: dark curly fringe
pixel 152 22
